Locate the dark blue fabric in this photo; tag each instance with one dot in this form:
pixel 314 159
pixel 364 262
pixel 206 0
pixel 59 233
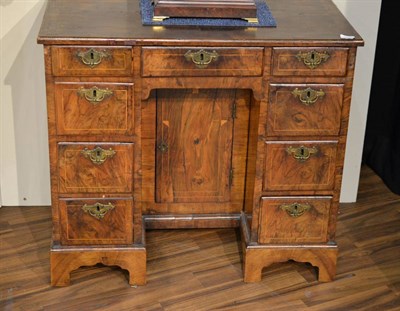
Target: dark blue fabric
pixel 265 18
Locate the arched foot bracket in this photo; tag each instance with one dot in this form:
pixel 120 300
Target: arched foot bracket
pixel 65 260
pixel 258 257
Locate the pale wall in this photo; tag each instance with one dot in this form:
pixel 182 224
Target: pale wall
pixel 24 172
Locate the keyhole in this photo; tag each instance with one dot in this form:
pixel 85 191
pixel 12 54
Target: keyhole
pixel 94 93
pixel 313 56
pixel 302 151
pixel 308 94
pixel 98 208
pixel 91 55
pixel 201 56
pixel 295 207
pixel 98 153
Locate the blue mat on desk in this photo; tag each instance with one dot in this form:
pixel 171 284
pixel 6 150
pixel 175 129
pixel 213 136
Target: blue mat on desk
pixel 265 18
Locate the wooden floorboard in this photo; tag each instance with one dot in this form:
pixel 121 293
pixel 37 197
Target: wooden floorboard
pixel 201 269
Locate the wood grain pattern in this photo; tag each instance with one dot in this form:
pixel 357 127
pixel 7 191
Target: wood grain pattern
pixel 284 172
pixel 197 127
pixel 202 268
pixel 276 226
pixel 288 116
pixel 286 63
pixel 77 115
pixel 206 8
pixel 234 205
pixel 80 228
pixel 63 262
pixel 324 258
pixel 78 174
pixel 170 61
pixel 118 22
pixel 67 63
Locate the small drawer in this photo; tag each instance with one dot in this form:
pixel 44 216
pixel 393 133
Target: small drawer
pixel 95 167
pixel 304 165
pixel 96 221
pixel 310 61
pixel 91 61
pixel 195 61
pixel 294 219
pixel 304 109
pixel 94 108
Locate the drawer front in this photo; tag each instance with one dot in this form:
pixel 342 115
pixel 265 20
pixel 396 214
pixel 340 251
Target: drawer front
pixel 94 108
pixel 304 109
pixel 195 61
pixel 96 221
pixel 293 165
pixel 92 61
pixel 310 61
pixel 294 220
pixel 95 167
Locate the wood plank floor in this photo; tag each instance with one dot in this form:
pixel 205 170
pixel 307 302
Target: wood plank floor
pixel 201 269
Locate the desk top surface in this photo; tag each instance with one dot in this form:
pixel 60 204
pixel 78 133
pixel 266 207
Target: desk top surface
pixel 118 22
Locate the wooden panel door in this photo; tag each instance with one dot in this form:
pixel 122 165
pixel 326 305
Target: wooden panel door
pixel 194 145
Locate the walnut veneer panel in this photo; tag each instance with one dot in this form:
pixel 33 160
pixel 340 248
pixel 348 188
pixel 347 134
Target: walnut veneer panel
pixel 284 172
pixel 197 129
pixel 292 114
pixel 113 62
pixel 81 111
pixel 300 22
pixel 78 174
pixel 164 62
pixel 290 61
pixel 277 226
pixel 81 228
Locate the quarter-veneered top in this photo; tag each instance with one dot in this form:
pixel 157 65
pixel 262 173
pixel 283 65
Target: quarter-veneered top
pixel 118 22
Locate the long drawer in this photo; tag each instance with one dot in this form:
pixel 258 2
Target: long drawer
pixel 294 219
pixel 198 61
pixel 299 165
pixel 95 167
pixel 96 221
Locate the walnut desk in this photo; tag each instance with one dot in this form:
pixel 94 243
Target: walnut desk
pixel 192 127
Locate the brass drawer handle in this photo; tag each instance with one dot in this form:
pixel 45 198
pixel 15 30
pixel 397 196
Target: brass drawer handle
pixel 95 95
pixel 201 58
pixel 92 58
pixel 295 209
pixel 98 155
pixel 302 153
pixel 98 210
pixel 313 58
pixel 308 96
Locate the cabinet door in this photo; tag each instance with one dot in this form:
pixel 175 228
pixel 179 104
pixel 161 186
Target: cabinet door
pixel 194 145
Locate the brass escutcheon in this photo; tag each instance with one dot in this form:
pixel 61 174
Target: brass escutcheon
pixel 98 210
pixel 295 209
pixel 201 58
pixel 163 147
pixel 313 58
pixel 95 95
pixel 98 155
pixel 301 153
pixel 308 96
pixel 92 58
